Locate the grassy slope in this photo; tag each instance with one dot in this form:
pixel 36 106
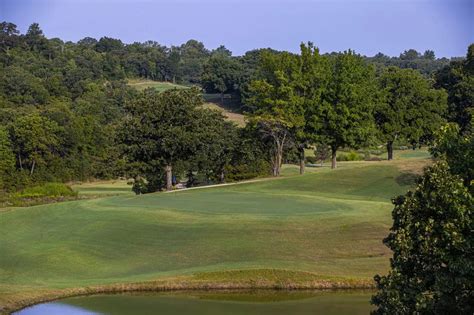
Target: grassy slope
pixel 328 223
pixel 212 101
pixel 159 86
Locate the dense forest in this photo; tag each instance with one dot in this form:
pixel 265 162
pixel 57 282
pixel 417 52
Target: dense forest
pixel 67 113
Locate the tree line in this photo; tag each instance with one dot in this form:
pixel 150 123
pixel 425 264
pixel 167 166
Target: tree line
pixel 67 113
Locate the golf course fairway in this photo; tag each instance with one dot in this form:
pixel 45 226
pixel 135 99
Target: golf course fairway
pixel 321 229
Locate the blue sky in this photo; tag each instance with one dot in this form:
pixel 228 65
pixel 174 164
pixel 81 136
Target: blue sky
pixel 368 26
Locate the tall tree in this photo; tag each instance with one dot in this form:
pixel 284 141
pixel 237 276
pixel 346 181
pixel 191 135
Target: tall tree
pixel 193 55
pixel 159 129
pixel 408 107
pixel 346 112
pixel 315 76
pixel 9 36
pixel 216 140
pixel 458 80
pixel 35 140
pixel 35 39
pixel 276 107
pixel 221 74
pixel 7 157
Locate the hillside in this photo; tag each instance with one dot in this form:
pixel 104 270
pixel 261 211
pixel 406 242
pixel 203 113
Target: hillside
pixel 322 228
pixel 212 101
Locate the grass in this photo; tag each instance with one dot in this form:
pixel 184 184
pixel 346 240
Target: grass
pixel 159 86
pixel 323 229
pixel 238 118
pixel 103 188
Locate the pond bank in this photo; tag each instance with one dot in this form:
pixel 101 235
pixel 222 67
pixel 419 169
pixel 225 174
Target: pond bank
pixel 183 285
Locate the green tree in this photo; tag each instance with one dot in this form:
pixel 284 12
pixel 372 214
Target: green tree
pixel 457 79
pixel 429 54
pixel 35 140
pixel 457 148
pixel 9 36
pixel 408 107
pixel 345 115
pixel 221 74
pixel 276 106
pixel 409 54
pixel 7 158
pixel 35 39
pixel 216 141
pixel 159 130
pixel 193 55
pixel 21 87
pixel 314 79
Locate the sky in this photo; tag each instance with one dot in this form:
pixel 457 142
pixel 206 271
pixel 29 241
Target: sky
pixel 366 26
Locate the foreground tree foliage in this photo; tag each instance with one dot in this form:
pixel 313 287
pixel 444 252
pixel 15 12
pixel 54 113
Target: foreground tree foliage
pixel 432 270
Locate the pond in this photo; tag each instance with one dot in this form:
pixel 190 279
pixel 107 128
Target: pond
pixel 212 303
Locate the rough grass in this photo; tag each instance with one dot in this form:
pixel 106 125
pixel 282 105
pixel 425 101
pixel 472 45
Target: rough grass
pixel 39 194
pixel 323 229
pixel 238 118
pixel 103 188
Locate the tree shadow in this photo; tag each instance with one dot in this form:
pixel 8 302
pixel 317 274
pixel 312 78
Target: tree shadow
pixel 406 179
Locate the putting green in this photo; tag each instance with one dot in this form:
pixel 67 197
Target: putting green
pixel 328 223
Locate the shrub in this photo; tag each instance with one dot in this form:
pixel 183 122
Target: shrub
pixel 47 190
pixel 311 160
pixel 351 156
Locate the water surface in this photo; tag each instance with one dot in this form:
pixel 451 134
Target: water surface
pixel 212 303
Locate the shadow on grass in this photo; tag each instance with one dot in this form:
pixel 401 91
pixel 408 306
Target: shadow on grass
pixel 406 179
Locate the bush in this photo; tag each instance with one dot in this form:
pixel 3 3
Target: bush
pixel 247 171
pixel 351 156
pixel 311 160
pixel 46 190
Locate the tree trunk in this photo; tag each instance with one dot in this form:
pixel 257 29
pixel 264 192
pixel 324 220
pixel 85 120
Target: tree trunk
pixel 333 158
pixel 32 167
pixel 301 160
pixel 390 150
pixel 19 160
pixel 279 159
pixel 169 174
pixel 222 177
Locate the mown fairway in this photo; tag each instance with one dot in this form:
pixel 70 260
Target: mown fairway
pixel 328 223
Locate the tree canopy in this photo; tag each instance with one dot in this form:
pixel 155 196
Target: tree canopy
pixel 408 108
